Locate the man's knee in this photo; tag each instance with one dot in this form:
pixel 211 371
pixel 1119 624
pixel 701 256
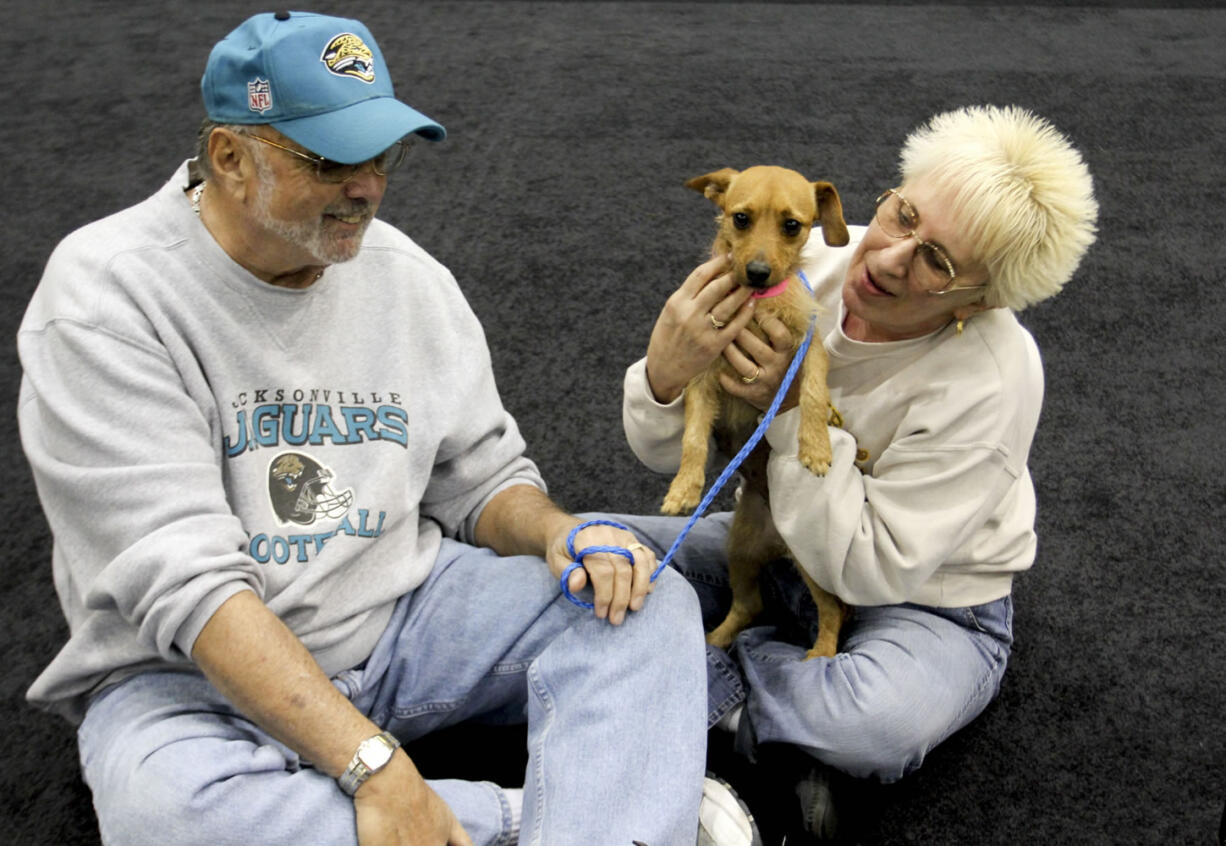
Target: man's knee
pixel 137 804
pixel 182 794
pixel 673 606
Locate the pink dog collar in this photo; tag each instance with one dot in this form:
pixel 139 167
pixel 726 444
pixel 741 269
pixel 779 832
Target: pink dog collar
pixel 772 291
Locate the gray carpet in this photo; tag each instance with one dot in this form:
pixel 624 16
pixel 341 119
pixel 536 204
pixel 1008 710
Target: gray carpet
pixel 557 202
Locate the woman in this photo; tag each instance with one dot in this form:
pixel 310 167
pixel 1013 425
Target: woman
pixel 928 510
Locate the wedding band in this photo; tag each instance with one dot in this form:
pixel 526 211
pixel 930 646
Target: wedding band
pixel 749 380
pixel 632 547
pixel 715 322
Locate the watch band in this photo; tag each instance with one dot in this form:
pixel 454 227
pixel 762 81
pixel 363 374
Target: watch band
pixel 373 755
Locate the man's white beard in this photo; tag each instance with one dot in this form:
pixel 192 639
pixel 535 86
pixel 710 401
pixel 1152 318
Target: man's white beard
pixel 311 237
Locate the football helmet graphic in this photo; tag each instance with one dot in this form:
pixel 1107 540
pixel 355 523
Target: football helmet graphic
pixel 300 490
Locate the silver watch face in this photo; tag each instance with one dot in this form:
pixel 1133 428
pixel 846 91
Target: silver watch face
pixel 374 753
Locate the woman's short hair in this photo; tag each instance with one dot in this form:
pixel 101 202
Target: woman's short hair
pixel 1022 193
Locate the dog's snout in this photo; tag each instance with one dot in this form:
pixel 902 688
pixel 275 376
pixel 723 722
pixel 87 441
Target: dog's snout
pixel 758 273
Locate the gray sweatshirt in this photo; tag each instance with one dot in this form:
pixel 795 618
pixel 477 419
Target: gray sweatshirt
pixel 194 432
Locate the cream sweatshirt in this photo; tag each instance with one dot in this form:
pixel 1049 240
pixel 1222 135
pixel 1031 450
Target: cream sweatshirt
pixel 929 498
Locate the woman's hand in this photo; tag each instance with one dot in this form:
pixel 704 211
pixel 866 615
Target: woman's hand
pixel 697 323
pixel 760 366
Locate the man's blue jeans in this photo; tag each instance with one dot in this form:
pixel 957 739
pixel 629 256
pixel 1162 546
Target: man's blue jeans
pixel 616 722
pixel 907 676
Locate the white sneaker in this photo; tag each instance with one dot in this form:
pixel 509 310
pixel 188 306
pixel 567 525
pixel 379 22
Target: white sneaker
pixel 723 819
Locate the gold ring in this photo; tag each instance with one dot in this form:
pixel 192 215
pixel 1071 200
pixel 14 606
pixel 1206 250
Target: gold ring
pixel 716 323
pixel 749 380
pixel 632 547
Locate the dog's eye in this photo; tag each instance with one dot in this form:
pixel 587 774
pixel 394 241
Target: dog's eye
pixel 791 227
pixel 740 220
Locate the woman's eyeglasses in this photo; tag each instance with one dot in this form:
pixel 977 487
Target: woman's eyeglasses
pixel 931 266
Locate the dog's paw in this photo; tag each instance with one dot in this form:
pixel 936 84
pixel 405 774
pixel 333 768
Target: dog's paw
pixel 817 464
pixel 720 638
pixel 683 497
pixel 826 645
pixel 677 504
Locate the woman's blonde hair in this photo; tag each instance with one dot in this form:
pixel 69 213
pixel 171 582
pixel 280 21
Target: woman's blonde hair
pixel 1022 193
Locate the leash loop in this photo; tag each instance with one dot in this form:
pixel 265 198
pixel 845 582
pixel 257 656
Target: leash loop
pixel 577 557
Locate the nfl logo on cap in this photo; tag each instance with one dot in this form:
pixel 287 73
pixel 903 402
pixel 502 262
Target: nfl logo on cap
pixel 259 95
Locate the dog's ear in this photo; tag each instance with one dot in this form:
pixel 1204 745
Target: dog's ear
pixel 713 185
pixel 830 213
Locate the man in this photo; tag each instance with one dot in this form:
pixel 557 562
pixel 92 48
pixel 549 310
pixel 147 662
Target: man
pixel 311 531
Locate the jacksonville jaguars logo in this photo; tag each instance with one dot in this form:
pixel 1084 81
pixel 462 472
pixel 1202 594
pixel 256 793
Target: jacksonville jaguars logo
pixel 348 55
pixel 300 490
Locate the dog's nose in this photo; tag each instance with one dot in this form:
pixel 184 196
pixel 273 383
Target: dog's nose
pixel 758 273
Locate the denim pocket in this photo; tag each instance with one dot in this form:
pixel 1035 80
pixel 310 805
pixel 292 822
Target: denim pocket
pixel 994 619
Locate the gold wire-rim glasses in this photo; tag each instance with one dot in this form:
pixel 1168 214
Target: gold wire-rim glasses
pixel 888 227
pixel 327 170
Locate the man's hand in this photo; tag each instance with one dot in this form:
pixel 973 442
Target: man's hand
pixel 617 586
pixel 395 807
pixel 522 520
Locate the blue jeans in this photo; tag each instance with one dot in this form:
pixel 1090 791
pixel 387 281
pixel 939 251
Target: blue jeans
pixel 616 728
pixel 907 676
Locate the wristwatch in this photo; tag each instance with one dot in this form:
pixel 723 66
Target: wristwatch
pixel 372 755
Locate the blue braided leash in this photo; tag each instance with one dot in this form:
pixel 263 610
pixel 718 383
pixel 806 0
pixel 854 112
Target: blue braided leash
pixel 736 461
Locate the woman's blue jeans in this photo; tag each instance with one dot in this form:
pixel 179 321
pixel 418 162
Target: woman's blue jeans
pixel 907 676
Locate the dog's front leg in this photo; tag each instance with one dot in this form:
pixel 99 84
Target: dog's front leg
pixel 814 447
pixel 701 405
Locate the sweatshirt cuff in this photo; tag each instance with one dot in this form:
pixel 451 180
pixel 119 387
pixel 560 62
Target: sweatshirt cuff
pixel 185 637
pixel 636 374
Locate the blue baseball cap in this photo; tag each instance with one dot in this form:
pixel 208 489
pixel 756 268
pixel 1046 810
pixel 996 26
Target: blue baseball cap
pixel 320 81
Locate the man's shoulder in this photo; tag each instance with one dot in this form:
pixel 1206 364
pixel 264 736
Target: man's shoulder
pixel 146 224
pixel 387 236
pixel 94 270
pixel 384 242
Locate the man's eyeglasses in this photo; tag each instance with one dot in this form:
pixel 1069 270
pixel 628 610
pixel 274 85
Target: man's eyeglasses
pixel 327 170
pixel 931 266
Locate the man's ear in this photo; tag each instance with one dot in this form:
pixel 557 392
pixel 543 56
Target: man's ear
pixel 713 185
pixel 231 160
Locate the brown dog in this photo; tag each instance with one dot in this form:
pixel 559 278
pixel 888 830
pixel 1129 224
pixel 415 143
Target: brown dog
pixel 766 215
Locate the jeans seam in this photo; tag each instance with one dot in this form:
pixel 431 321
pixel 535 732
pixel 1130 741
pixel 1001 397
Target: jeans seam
pixel 507 836
pixel 735 698
pixel 509 668
pixel 407 712
pixel 970 612
pixel 540 689
pixel 704 578
pixel 984 680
